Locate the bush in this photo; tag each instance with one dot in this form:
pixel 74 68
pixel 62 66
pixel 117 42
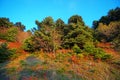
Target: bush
pixel 98 53
pixel 28 45
pixel 5 53
pixel 13 53
pixel 90 48
pixel 106 56
pixel 11 34
pixel 76 49
pixel 80 56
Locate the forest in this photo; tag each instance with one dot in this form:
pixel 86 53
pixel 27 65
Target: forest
pixel 55 50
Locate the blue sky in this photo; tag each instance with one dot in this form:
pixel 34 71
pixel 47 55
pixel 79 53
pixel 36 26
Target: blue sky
pixel 27 11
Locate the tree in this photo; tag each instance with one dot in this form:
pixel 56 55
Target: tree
pixel 102 32
pixel 104 20
pixel 76 19
pixel 105 27
pixel 76 33
pixel 107 32
pixel 95 24
pixel 77 36
pixel 46 37
pixel 113 15
pixel 60 23
pixel 47 22
pixel 111 31
pixel 20 26
pixel 5 23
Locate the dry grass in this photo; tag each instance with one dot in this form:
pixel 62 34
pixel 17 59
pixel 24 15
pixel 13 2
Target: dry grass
pixel 16 62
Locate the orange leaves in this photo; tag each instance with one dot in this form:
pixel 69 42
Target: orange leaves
pixel 74 59
pixel 14 45
pixel 51 55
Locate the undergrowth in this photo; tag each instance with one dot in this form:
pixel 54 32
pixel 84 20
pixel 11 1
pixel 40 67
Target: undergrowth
pixel 59 66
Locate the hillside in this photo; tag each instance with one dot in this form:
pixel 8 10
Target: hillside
pixel 60 66
pixel 58 51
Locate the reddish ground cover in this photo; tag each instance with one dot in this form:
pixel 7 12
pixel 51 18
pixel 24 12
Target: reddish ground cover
pixel 108 48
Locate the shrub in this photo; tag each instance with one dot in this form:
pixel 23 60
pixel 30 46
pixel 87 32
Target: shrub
pixel 13 53
pixel 80 56
pixel 5 53
pixel 106 56
pixel 11 34
pixel 98 53
pixel 89 48
pixel 76 49
pixel 28 45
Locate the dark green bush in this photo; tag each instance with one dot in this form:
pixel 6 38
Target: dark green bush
pixel 5 53
pixel 28 45
pixel 106 56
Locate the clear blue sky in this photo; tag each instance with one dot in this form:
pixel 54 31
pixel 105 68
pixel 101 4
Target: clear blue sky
pixel 27 11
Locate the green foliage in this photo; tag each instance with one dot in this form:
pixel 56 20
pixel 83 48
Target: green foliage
pixel 60 57
pixel 76 49
pixel 60 23
pixel 47 22
pixel 95 24
pixel 5 53
pixel 113 15
pixel 5 23
pixel 11 34
pixel 80 56
pixel 7 31
pixel 77 34
pixel 98 53
pixel 46 37
pixel 51 35
pixel 43 41
pixel 107 32
pixel 28 45
pixel 76 19
pixel 20 26
pixel 14 54
pixel 107 29
pixel 89 48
